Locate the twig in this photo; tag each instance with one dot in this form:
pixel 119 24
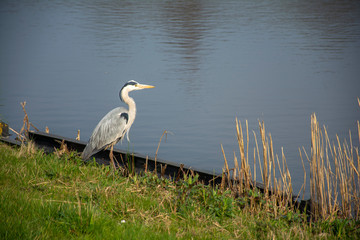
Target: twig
pixel 164 133
pixel 21 137
pixel 34 127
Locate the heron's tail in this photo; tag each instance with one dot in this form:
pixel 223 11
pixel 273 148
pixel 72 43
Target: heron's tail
pixel 88 151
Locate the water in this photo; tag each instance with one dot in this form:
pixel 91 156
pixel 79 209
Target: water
pixel 211 61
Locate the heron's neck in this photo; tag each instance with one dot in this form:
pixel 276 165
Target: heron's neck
pixel 132 108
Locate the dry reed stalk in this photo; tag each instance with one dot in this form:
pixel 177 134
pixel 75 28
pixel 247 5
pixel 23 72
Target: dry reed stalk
pixel 24 132
pixel 265 166
pixel 287 189
pixel 304 184
pixel 313 165
pixel 236 168
pixel 258 154
pixel 26 126
pixel 226 167
pixel 146 163
pixel 357 193
pixel 247 140
pixel 240 139
pixel 272 163
pixel 245 166
pixel 254 165
pixel 222 185
pixel 358 124
pixel 276 184
pixel 283 180
pixel 331 205
pixel 268 187
pixel 239 179
pixel 341 175
pixel 262 135
pixel 164 133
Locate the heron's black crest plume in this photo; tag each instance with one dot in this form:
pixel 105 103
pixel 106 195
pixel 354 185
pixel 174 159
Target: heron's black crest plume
pixel 131 82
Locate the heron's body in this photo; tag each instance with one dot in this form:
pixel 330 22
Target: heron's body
pixel 115 124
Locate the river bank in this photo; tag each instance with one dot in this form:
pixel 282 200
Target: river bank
pixel 47 196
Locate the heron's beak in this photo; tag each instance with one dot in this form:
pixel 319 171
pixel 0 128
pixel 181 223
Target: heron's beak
pixel 144 86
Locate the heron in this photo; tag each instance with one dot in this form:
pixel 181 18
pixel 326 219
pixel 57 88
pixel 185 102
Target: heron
pixel 115 124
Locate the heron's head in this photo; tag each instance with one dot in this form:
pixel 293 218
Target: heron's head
pixel 131 86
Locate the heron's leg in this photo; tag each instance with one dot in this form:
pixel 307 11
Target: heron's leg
pixel 111 155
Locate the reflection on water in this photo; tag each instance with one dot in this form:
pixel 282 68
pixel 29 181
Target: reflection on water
pixel 211 61
pixel 185 29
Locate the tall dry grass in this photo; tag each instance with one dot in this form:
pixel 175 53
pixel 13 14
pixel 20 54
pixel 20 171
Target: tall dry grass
pixel 334 173
pixel 277 189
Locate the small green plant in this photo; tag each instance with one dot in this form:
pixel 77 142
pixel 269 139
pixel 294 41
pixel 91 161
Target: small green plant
pixel 220 204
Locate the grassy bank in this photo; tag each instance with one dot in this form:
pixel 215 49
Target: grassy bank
pixel 56 196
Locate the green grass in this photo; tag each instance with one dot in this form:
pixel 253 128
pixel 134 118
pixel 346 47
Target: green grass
pixel 58 197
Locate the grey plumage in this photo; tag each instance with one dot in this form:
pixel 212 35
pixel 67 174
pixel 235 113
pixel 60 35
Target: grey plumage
pixel 115 124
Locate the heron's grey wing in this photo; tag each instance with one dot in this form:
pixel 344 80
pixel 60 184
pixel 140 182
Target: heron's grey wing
pixel 110 129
